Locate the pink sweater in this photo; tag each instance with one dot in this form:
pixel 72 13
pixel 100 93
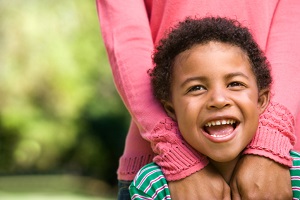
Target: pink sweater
pixel 131 28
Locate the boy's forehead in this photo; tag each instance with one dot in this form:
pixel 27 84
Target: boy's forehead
pixel 218 58
pixel 209 46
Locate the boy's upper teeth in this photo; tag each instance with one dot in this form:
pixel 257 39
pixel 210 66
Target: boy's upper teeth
pixel 220 122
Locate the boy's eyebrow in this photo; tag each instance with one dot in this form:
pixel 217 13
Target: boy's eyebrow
pixel 234 74
pixel 195 78
pixel 203 78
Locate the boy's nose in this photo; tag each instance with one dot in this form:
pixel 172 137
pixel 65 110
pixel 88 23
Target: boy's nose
pixel 218 99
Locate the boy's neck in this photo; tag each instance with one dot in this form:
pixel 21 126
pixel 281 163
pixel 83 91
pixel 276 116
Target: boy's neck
pixel 225 168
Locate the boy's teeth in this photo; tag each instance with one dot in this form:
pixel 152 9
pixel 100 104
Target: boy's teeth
pixel 219 122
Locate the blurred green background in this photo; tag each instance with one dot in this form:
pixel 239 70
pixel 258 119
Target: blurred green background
pixel 62 123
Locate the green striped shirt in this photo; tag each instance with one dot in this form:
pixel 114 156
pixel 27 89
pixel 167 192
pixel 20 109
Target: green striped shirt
pixel 150 183
pixel 295 174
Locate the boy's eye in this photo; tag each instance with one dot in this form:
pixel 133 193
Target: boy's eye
pixel 236 84
pixel 196 88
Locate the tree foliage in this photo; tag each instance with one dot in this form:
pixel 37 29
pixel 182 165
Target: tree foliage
pixel 59 110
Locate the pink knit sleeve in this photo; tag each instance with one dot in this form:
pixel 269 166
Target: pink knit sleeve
pixel 276 134
pixel 127 37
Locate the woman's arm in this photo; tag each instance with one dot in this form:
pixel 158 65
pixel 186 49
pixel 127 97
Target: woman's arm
pixel 275 136
pixel 127 37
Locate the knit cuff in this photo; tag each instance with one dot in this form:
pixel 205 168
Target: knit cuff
pixel 176 158
pixel 129 166
pixel 275 135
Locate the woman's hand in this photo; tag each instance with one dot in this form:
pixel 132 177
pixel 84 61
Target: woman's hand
pixel 204 184
pixel 257 177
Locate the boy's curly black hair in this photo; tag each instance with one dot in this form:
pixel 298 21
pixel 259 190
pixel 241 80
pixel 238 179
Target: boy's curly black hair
pixel 193 31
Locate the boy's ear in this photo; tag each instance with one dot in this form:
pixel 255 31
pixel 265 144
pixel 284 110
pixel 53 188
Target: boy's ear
pixel 168 106
pixel 263 99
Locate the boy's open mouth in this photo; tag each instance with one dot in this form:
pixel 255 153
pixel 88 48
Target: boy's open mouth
pixel 220 128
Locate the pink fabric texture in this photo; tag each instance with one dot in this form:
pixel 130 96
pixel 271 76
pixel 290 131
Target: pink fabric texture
pixel 130 30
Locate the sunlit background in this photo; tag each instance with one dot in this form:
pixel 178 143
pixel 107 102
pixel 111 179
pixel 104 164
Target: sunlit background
pixel 62 124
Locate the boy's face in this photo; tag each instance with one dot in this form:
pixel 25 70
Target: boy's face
pixel 215 99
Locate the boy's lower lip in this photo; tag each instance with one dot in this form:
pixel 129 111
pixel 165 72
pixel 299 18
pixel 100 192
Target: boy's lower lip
pixel 222 138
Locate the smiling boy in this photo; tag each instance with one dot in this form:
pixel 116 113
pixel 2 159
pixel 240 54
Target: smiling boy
pixel 214 82
pixel 216 102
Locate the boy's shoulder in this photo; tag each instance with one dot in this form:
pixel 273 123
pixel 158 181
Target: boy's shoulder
pixel 296 160
pixel 295 174
pixel 148 174
pixel 295 154
pixel 150 182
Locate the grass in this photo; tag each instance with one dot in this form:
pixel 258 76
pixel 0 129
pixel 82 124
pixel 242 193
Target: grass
pixel 37 196
pixel 58 187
